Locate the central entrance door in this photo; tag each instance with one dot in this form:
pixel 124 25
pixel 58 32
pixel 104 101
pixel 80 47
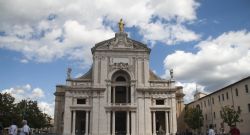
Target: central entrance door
pixel 80 122
pixel 160 123
pixel 120 123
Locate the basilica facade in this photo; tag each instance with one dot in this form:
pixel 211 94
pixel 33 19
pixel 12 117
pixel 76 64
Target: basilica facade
pixel 119 95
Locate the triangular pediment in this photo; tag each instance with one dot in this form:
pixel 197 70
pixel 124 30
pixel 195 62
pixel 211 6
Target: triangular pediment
pixel 120 42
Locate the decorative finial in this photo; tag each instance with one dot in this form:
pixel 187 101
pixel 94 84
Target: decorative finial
pixel 121 25
pixel 69 73
pixel 171 73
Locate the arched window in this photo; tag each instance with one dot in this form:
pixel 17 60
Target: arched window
pixel 120 90
pixel 120 79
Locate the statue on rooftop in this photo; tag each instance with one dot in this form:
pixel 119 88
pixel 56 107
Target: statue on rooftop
pixel 121 25
pixel 171 73
pixel 69 73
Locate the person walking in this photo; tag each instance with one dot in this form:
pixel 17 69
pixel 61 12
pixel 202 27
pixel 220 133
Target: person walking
pixel 234 130
pixel 25 129
pixel 1 128
pixel 13 129
pixel 211 130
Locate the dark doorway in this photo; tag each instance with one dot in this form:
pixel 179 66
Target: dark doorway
pixel 120 123
pixel 160 122
pixel 80 122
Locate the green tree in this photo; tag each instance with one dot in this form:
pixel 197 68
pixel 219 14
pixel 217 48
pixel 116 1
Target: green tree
pixel 230 116
pixel 30 111
pixel 25 109
pixel 193 118
pixel 7 109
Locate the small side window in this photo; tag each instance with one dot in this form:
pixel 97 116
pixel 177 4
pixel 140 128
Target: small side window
pixel 160 102
pixel 246 88
pixel 236 92
pixel 81 101
pixel 248 107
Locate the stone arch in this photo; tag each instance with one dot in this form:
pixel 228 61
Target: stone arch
pixel 131 75
pixel 120 74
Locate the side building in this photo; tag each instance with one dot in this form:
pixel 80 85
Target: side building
pixel 236 95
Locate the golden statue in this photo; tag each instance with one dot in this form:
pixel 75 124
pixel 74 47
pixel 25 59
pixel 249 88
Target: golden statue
pixel 121 26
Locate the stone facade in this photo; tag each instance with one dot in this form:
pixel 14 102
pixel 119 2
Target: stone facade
pixel 236 95
pixel 118 95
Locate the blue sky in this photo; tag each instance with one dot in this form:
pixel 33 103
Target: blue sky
pixel 206 42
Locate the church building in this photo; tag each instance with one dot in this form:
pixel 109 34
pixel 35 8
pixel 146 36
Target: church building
pixel 119 95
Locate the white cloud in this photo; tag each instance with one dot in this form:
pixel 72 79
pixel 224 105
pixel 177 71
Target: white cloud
pixel 19 92
pixel 29 93
pixel 218 61
pixel 189 90
pixel 47 108
pixel 24 61
pixel 168 9
pixel 37 92
pixel 47 30
pixel 167 33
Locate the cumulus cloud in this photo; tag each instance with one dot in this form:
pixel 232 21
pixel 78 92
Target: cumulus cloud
pixel 24 92
pixel 37 92
pixel 218 62
pixel 48 30
pixel 167 33
pixel 29 93
pixel 189 90
pixel 47 108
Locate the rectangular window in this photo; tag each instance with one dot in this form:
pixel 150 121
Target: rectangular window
pixel 223 97
pixel 208 102
pixel 246 88
pixel 214 115
pixel 81 101
pixel 248 107
pixel 227 95
pixel 160 102
pixel 236 92
pixel 219 97
pixel 204 103
pixel 238 108
pixel 213 100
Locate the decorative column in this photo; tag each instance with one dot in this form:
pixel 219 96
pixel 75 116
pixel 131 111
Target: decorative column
pixel 87 123
pixel 133 123
pixel 166 117
pixel 128 125
pixel 67 114
pixel 113 95
pixel 108 92
pixel 174 120
pixel 127 95
pixel 74 122
pixel 108 122
pixel 171 122
pixel 132 92
pixel 154 124
pixel 113 123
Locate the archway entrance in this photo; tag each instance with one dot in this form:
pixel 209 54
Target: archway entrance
pixel 120 97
